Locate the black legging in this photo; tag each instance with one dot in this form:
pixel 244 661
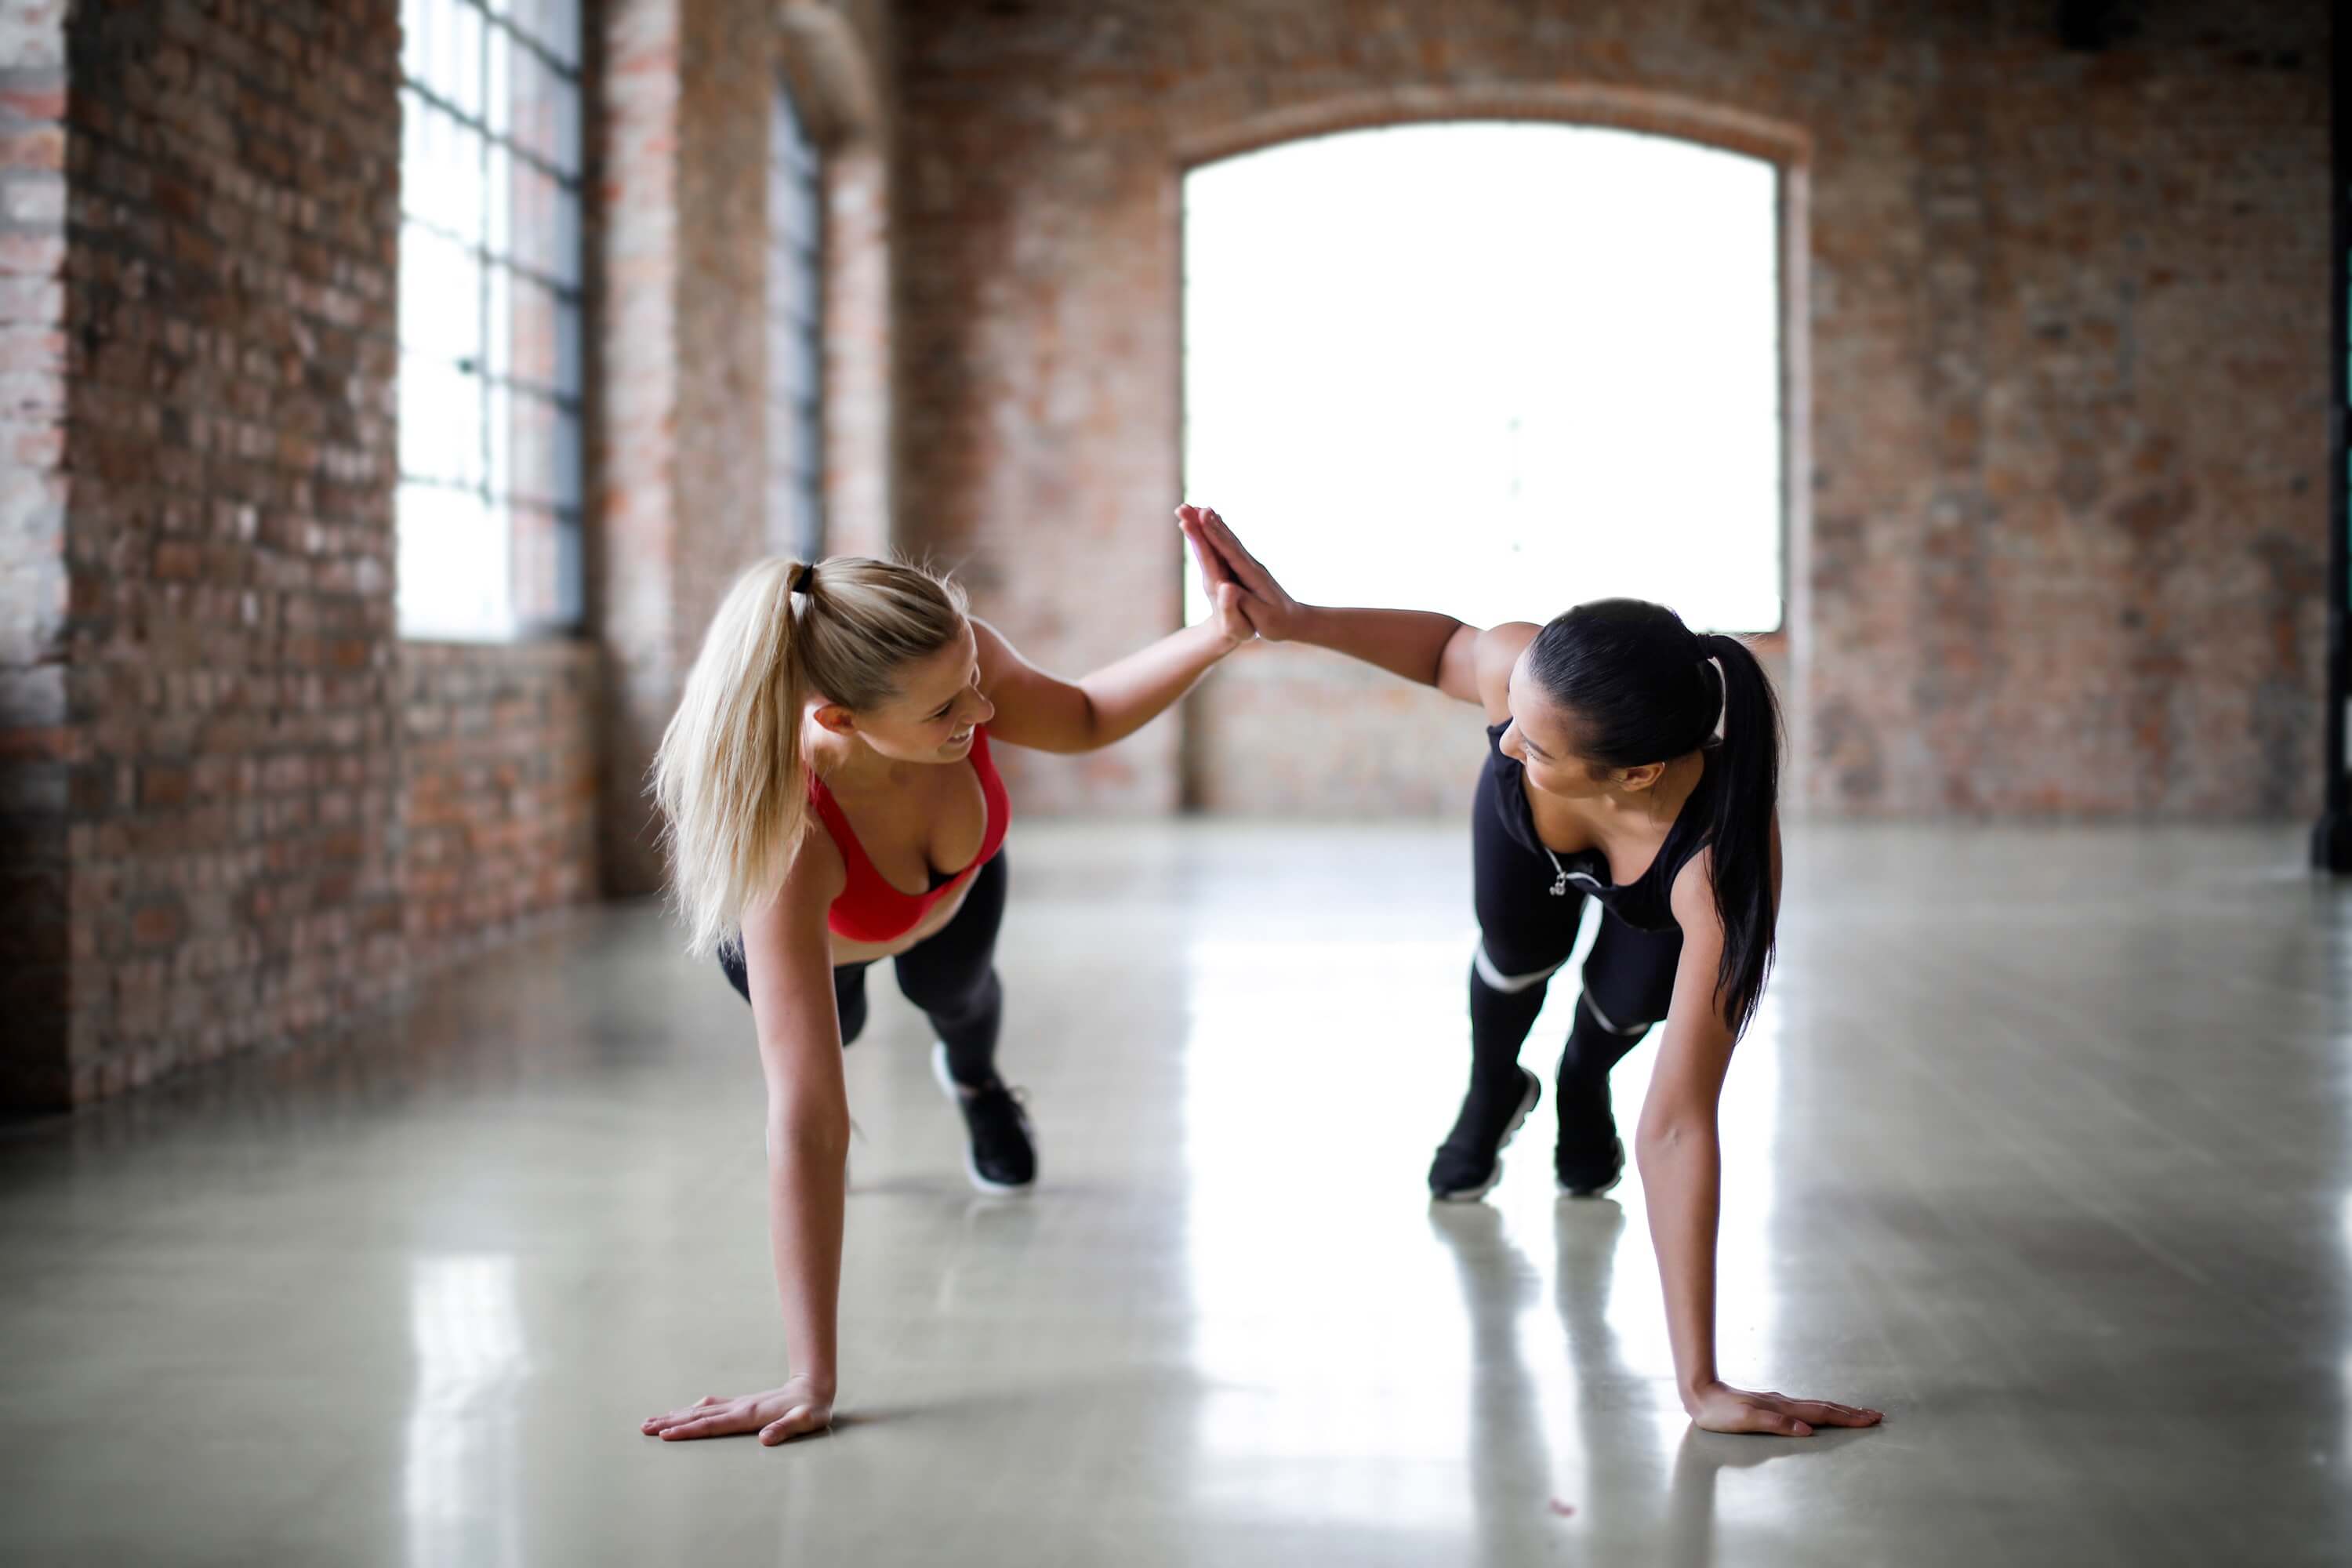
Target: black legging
pixel 951 974
pixel 1524 934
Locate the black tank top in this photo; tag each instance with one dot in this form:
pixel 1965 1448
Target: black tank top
pixel 1643 904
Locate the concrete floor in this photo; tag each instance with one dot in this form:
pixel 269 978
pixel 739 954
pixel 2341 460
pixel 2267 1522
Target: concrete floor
pixel 2040 1144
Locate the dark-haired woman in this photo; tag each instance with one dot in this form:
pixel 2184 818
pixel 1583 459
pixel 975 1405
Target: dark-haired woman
pixel 1604 780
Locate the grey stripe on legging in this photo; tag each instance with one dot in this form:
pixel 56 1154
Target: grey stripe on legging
pixel 1509 984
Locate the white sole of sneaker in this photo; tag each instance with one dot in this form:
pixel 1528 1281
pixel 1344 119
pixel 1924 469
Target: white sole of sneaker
pixel 955 1098
pixel 1527 1104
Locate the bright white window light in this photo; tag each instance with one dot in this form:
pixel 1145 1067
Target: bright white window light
pixel 1495 369
pixel 488 512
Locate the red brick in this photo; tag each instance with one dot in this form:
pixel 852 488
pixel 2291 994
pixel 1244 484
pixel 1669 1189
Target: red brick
pixel 55 743
pixel 164 786
pixel 42 147
pixel 157 925
pixel 47 101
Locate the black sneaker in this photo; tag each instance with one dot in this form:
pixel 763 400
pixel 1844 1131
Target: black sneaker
pixel 1589 1157
pixel 1000 1157
pixel 1470 1161
pixel 1582 1176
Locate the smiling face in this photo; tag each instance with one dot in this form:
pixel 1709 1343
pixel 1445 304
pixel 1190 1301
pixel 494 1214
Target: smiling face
pixel 1542 739
pixel 938 706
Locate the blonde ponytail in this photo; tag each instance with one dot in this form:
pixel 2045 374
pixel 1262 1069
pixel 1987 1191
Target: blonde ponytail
pixel 728 775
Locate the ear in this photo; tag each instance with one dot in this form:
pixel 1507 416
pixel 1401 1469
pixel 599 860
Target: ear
pixel 834 717
pixel 1634 781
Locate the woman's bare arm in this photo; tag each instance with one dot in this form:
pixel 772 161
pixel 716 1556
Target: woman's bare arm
pixel 1467 663
pixel 1051 714
pixel 1680 1153
pixel 788 965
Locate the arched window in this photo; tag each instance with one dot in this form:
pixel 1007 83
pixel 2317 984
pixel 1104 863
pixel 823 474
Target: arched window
pixel 489 496
pixel 795 335
pixel 1492 368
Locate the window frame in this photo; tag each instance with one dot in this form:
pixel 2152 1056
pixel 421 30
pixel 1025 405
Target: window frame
pixel 508 39
pixel 1786 150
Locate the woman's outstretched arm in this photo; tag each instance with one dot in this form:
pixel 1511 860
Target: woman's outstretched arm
pixel 1467 663
pixel 788 964
pixel 1680 1159
pixel 1045 712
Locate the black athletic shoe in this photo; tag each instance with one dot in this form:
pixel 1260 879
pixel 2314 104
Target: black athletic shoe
pixel 1582 1176
pixel 1589 1157
pixel 1000 1157
pixel 1470 1161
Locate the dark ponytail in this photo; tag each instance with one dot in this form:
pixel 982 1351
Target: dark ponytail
pixel 1640 689
pixel 1742 828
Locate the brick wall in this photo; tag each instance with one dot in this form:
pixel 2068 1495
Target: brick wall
pixel 858 454
pixel 681 449
pixel 232 230
pixel 681 443
pixel 38 742
pixel 727 80
pixel 839 57
pixel 2065 514
pixel 633 457
pixel 498 785
pixel 206 791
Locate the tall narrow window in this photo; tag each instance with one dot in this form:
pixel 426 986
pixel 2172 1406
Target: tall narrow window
pixel 1492 369
pixel 489 496
pixel 795 335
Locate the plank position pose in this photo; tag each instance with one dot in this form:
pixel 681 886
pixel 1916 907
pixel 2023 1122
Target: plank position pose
pixel 831 802
pixel 1603 779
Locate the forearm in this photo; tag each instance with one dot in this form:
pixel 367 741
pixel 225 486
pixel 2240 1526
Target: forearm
pixel 1682 1175
pixel 1410 643
pixel 1124 697
pixel 807 1178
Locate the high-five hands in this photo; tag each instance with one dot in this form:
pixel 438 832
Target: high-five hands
pixel 1226 596
pixel 1234 576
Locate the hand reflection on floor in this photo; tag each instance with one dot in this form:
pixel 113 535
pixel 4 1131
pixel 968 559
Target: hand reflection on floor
pixel 1614 1474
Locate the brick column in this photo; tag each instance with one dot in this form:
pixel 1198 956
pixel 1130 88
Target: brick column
pixel 633 516
pixel 38 742
pixel 680 444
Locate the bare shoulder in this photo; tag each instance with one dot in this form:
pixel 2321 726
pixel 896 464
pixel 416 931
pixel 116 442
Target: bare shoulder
pixel 818 872
pixel 998 656
pixel 816 877
pixel 1499 649
pixel 1692 898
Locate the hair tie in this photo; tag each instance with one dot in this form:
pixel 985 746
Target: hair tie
pixel 805 579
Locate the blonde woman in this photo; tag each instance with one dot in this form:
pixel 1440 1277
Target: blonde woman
pixel 832 802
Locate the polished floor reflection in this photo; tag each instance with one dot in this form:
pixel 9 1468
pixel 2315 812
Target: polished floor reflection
pixel 2040 1144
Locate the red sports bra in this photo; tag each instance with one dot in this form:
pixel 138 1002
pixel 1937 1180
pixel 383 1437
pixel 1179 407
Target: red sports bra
pixel 869 909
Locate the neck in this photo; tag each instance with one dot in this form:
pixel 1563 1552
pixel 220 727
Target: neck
pixel 1658 806
pixel 846 762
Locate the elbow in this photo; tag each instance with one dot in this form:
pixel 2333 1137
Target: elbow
pixel 807 1133
pixel 1671 1137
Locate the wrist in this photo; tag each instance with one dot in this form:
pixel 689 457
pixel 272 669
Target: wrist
pixel 1304 624
pixel 821 1382
pixel 1217 644
pixel 1695 1390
